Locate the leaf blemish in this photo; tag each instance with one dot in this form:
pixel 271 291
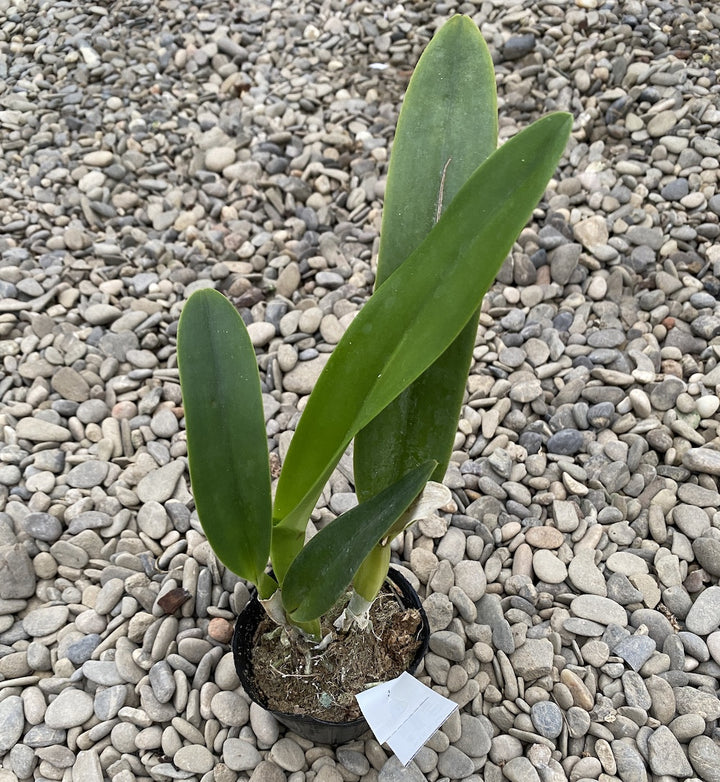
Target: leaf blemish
pixel 441 192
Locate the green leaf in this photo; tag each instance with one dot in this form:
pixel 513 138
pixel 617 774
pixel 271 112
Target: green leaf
pixel 419 310
pixel 225 424
pixel 446 129
pixel 326 565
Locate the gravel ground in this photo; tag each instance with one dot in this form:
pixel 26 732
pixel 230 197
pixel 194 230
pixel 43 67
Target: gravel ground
pixel 153 148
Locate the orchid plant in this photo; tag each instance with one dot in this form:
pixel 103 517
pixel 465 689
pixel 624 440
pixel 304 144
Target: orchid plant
pixel 454 205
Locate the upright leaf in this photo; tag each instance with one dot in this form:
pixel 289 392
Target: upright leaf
pixel 447 127
pixel 326 565
pixel 225 424
pixel 419 310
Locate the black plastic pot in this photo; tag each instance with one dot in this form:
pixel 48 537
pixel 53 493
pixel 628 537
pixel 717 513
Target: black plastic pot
pixel 311 728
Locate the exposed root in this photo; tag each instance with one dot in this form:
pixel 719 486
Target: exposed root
pixel 356 614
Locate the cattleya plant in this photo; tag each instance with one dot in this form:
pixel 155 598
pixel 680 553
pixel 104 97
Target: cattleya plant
pixel 454 205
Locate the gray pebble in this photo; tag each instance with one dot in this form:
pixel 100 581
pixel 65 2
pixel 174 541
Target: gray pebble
pixel 394 771
pixel 43 526
pixel 39 431
pixel 619 588
pixel 230 708
pixel 452 546
pixel 87 474
pixel 704 755
pixel 658 625
pixel 91 519
pixel 636 650
pixel 518 46
pixel 692 521
pixel 504 748
pixel 548 567
pixel 578 721
pixel 692 701
pixel 156 711
pixel 265 771
pixel 533 659
pixel 687 726
pixel 12 722
pixel 164 423
pixel 92 411
pixel 470 577
pixel 490 613
pixel 439 611
pixel 287 754
pixel 101 314
pixel 455 764
pixel 474 738
pixel 159 485
pixel 162 681
pixel 355 762
pixel 194 758
pixel 87 766
pixel 43 735
pixel 636 693
pixel 69 709
pixel 103 672
pixel 448 645
pixel 17 576
pixel 704 616
pixel 566 442
pixel 547 719
pixel 109 701
pixel 301 380
pixel 599 609
pixel 666 755
pixel 563 262
pixel 80 651
pixel 707 552
pixel 43 621
pixel 702 460
pixel 22 761
pixel 630 765
pixel 109 596
pixel 675 189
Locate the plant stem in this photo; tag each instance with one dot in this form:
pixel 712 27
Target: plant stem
pixel 266 586
pixel 372 572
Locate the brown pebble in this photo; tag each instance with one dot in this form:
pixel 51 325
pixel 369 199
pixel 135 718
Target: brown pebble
pixel 544 537
pixel 124 409
pixel 220 630
pixel 580 693
pixel 172 600
pixel 522 561
pixel 543 275
pixel 671 367
pixel 696 581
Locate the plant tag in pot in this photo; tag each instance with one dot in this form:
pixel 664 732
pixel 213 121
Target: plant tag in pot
pixel 404 713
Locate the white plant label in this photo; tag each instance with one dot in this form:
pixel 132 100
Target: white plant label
pixel 404 713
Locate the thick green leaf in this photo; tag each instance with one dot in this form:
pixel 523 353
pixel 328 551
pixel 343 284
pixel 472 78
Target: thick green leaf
pixel 225 424
pixel 446 129
pixel 419 310
pixel 326 565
